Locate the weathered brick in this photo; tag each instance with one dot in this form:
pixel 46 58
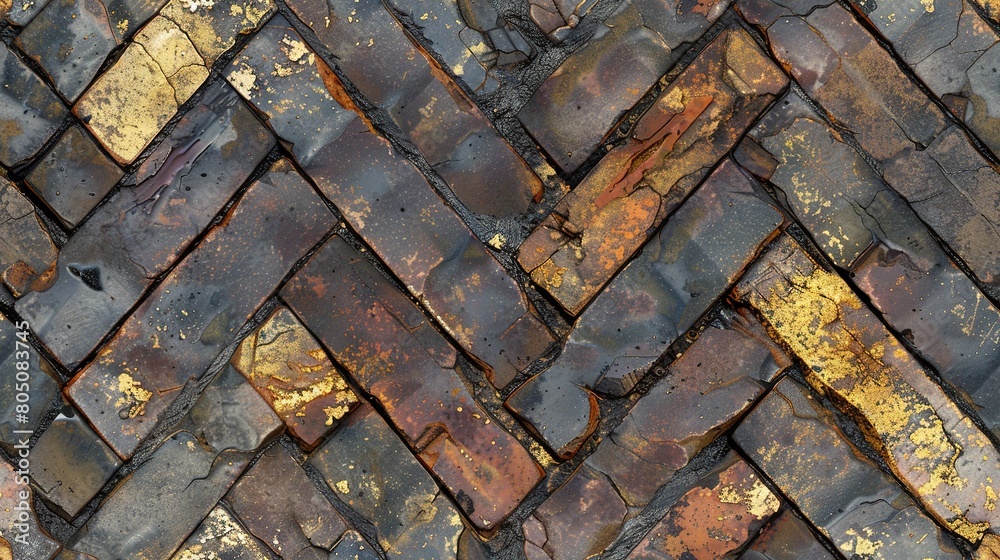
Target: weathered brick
pixel 679 274
pixel 30 112
pixel 28 255
pixel 861 510
pixel 787 538
pixel 280 505
pixel 295 376
pixel 140 231
pixel 576 106
pixel 396 356
pixel 373 472
pixel 17 508
pixel 937 452
pixel 717 516
pixel 220 537
pixel 598 226
pixel 394 209
pixel 152 512
pixel 73 177
pixel 43 384
pixel 457 139
pixel 176 333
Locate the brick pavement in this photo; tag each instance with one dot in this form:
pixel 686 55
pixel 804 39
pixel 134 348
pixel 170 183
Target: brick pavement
pixel 490 280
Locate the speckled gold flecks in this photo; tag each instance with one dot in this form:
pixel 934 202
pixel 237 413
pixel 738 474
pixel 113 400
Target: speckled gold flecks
pixel 219 533
pixel 213 30
pixel 134 398
pixel 128 105
pixel 850 356
pixel 294 374
pixel 989 548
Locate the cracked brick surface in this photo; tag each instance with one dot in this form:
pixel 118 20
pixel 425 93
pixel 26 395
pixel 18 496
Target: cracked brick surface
pixel 499 279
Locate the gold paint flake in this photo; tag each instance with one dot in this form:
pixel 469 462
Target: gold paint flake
pixel 134 396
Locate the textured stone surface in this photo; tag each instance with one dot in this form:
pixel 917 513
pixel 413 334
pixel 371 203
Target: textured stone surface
pixel 787 538
pixel 28 255
pixel 295 376
pixel 74 176
pixel 861 510
pixel 598 226
pixel 930 445
pixel 193 314
pixel 141 231
pixel 397 357
pixel 43 383
pixel 17 510
pixel 372 471
pixel 29 111
pixel 220 537
pixel 680 273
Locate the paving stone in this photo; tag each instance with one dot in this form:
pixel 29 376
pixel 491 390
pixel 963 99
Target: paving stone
pixel 73 177
pixel 396 356
pixel 935 451
pixel 679 274
pixel 787 538
pixel 180 328
pixel 863 511
pixel 71 463
pixel 372 471
pixel 28 255
pixel 930 162
pixel 599 225
pixel 30 112
pixel 43 384
pixel 295 376
pixel 452 133
pixel 140 231
pixel 70 40
pixel 952 50
pixel 129 103
pixel 557 18
pixel 578 521
pixel 151 513
pixel 705 392
pixel 470 37
pixel 282 507
pixel 717 516
pixel 220 537
pixel 865 227
pixel 22 536
pixel 394 209
pixel 353 547
pixel 20 12
pixel 578 104
pixel 213 27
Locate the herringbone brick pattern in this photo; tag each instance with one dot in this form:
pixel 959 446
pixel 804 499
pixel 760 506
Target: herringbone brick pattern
pixel 483 280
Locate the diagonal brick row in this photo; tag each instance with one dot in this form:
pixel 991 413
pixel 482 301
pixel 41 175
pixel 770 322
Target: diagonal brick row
pixel 481 280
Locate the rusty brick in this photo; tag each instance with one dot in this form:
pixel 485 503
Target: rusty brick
pixel 18 508
pixel 396 356
pixel 937 452
pixel 558 17
pixel 863 511
pixel 679 274
pixel 484 172
pixel 578 521
pixel 787 538
pixel 140 231
pixel 576 106
pixel 220 537
pixel 71 462
pixel 193 314
pixel 28 255
pixel 151 513
pixel 927 160
pixel 73 177
pixel 394 208
pixel 706 390
pixel 29 111
pixel 717 516
pixel 280 505
pixel 868 229
pixel 295 376
pixel 374 473
pixel 598 226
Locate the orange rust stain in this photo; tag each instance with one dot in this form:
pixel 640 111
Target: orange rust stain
pixel 667 137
